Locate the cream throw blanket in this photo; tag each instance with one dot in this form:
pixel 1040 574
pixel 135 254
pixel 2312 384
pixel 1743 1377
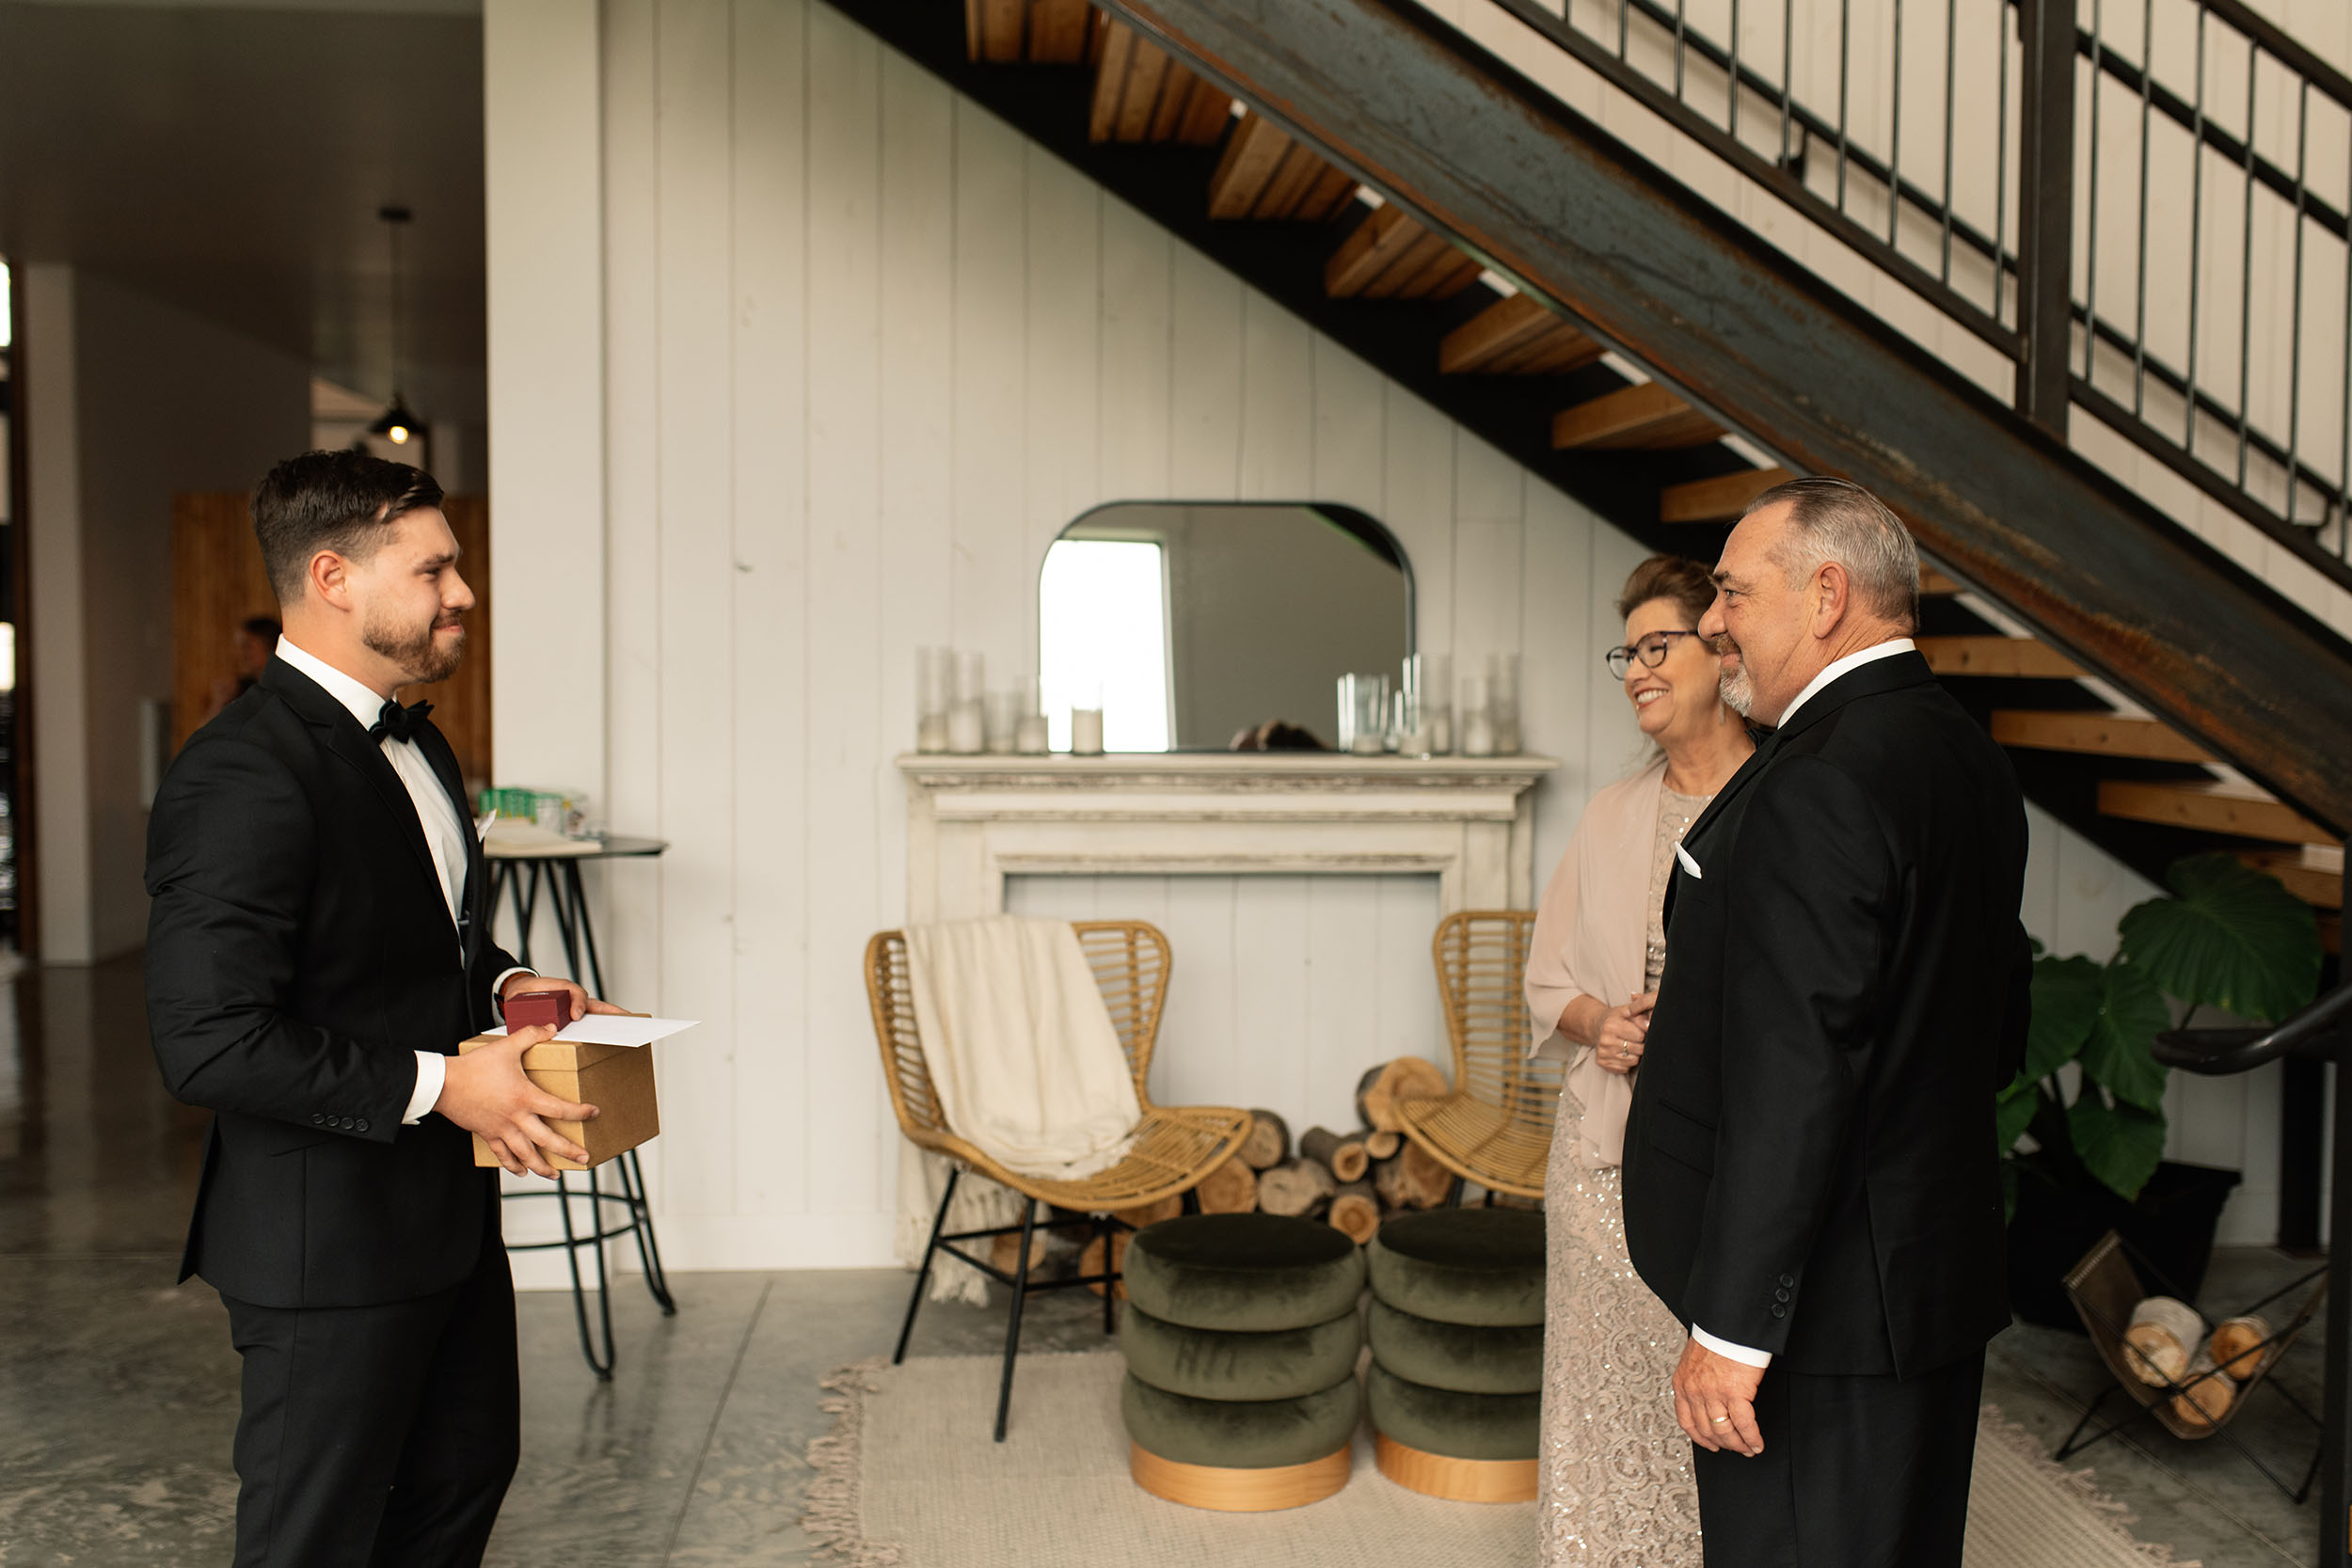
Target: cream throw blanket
pixel 1027 1068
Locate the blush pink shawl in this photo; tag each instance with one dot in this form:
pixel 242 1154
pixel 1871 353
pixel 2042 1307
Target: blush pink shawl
pixel 1590 940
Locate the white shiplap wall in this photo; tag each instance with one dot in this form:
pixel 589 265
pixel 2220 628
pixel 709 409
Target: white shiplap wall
pixel 864 352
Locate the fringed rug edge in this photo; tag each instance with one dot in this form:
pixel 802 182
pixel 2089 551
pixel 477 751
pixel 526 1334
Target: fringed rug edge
pixel 835 1515
pixel 2081 1486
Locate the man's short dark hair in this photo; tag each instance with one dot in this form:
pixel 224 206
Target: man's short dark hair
pixel 344 501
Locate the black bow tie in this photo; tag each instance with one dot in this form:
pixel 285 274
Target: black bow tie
pixel 396 722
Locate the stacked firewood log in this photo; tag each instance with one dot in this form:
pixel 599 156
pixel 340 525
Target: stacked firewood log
pixel 1350 1181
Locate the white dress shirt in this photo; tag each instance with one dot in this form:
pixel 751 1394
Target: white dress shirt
pixel 1835 668
pixel 437 814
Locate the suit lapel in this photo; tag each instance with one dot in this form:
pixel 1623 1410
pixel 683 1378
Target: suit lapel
pixel 437 750
pixel 342 736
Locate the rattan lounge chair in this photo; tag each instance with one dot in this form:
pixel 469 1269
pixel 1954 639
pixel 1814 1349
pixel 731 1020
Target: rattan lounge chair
pixel 1495 1128
pixel 1174 1148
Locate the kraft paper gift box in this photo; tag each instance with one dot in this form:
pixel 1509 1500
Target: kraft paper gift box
pixel 616 1079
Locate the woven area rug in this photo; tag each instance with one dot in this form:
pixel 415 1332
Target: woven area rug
pixel 909 1478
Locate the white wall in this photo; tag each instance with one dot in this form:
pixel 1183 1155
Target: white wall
pixel 864 352
pixel 128 400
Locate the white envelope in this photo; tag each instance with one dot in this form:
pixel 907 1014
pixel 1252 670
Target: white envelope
pixel 616 1029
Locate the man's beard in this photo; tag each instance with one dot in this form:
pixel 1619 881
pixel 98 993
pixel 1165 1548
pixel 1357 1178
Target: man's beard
pixel 419 655
pixel 1739 692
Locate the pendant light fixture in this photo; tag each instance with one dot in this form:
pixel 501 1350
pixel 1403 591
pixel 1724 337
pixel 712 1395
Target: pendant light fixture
pixel 397 423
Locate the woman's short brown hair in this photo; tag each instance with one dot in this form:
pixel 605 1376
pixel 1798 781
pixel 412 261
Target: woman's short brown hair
pixel 1690 585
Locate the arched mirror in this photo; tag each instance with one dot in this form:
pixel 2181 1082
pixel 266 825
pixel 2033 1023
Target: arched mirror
pixel 1199 623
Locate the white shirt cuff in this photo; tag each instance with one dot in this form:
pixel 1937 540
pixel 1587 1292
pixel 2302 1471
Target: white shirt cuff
pixel 432 1072
pixel 1740 1354
pixel 498 986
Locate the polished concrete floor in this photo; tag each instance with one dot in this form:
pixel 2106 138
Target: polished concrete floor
pixel 118 1388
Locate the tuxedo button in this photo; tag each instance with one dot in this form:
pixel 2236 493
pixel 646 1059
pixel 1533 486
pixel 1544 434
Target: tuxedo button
pixel 347 1124
pixel 1780 1310
pixel 362 1125
pixel 318 1118
pixel 1777 1295
pixel 1788 1281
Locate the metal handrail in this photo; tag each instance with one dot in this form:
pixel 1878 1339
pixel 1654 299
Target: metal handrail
pixel 2204 424
pixel 2217 1053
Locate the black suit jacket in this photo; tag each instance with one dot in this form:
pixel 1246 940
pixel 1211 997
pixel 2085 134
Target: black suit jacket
pixel 1810 1160
pixel 299 951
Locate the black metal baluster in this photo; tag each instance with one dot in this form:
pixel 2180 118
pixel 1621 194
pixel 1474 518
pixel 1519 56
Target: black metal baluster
pixel 2139 326
pixel 2246 270
pixel 1788 70
pixel 2000 160
pixel 1732 75
pixel 2295 307
pixel 1951 21
pixel 2343 450
pixel 1679 24
pixel 2196 240
pixel 1845 73
pixel 2090 229
pixel 1895 134
pixel 2045 223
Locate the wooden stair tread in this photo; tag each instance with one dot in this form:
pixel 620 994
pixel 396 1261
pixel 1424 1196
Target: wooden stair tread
pixel 1390 256
pixel 1518 335
pixel 1141 94
pixel 1935 585
pixel 1720 499
pixel 1997 655
pixel 2218 807
pixel 2096 733
pixel 2319 888
pixel 1041 32
pixel 1648 418
pixel 1265 174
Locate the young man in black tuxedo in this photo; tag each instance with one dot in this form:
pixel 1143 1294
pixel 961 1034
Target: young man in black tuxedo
pixel 318 945
pixel 1810 1177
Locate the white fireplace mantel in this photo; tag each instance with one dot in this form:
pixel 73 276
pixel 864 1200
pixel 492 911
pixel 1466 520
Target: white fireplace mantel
pixel 971 821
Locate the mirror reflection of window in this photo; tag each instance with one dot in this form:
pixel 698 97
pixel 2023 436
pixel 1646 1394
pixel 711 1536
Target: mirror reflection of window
pixel 1207 622
pixel 1103 631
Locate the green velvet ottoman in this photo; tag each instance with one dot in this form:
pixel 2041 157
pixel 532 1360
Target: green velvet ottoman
pixel 1455 1390
pixel 1241 1338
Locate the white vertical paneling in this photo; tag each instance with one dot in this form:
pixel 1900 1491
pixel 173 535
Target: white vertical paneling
pixel 774 274
pixel 917 601
pixel 1204 379
pixel 1134 354
pixel 867 352
pixel 990 368
pixel 841 609
pixel 694 429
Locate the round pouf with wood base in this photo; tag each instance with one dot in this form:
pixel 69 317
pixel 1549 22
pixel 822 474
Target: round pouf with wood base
pixel 1241 1339
pixel 1454 1388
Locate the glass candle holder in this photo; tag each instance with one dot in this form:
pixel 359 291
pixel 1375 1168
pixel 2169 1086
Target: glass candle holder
pixel 1086 720
pixel 967 721
pixel 934 693
pixel 1477 719
pixel 1429 681
pixel 1502 675
pixel 1032 737
pixel 1363 714
pixel 1003 722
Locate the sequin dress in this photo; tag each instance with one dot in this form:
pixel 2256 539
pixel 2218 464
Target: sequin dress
pixel 1617 1488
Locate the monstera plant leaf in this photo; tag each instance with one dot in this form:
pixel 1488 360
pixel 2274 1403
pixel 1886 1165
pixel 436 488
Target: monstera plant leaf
pixel 2120 1053
pixel 2120 1144
pixel 2066 998
pixel 2233 937
pixel 2013 1113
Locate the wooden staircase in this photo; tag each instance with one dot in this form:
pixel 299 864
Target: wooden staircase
pixel 2143 790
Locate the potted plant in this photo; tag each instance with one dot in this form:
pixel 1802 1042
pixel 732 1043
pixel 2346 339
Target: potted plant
pixel 2083 1150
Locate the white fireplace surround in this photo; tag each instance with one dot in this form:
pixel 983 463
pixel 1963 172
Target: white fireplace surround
pixel 971 821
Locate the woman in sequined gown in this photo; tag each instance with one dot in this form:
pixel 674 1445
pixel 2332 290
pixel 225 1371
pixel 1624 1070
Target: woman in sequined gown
pixel 1615 1469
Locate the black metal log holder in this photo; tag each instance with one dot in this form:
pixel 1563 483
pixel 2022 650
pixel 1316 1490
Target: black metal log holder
pixel 2109 1335
pixel 2314 1034
pixel 1018 1281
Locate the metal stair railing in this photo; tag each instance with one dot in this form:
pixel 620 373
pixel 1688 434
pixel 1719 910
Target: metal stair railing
pixel 2257 126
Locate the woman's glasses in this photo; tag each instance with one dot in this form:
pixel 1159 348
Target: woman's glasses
pixel 1650 650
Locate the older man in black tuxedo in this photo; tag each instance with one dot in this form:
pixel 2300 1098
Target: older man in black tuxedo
pixel 1810 1176
pixel 318 945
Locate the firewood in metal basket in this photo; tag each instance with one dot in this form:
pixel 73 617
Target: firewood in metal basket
pixel 2205 1396
pixel 2237 1346
pixel 2163 1336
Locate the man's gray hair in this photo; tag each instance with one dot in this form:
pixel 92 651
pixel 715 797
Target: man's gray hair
pixel 1836 520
